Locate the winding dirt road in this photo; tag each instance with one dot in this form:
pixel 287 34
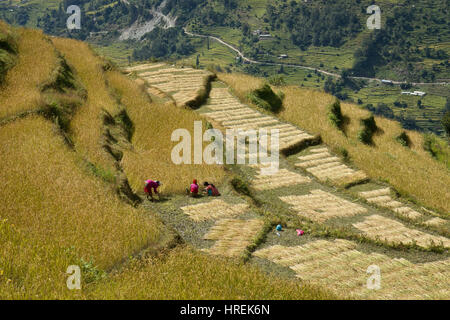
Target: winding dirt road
pixel 335 75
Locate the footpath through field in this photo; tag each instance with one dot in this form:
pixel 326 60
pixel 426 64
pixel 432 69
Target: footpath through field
pixel 360 227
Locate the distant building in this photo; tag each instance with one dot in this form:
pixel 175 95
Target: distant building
pixel 415 93
pixel 387 82
pixel 261 34
pixel 265 36
pixel 257 32
pixel 419 93
pixel 283 56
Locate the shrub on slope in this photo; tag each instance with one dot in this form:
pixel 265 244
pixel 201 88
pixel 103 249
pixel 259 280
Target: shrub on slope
pixel 8 50
pixel 265 98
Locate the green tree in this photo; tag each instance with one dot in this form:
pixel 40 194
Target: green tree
pixel 446 122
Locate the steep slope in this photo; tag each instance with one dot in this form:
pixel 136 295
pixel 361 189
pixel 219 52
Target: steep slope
pixel 60 207
pixel 369 225
pixel 12 99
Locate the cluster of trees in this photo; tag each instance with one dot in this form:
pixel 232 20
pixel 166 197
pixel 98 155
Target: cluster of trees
pixel 383 110
pixel 399 44
pixel 96 15
pixel 333 87
pixel 446 118
pixel 372 53
pixel 13 14
pixel 432 53
pixel 336 87
pixel 314 24
pixel 207 12
pixel 163 43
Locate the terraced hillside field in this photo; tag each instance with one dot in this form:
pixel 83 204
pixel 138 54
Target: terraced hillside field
pixel 75 157
pixel 66 198
pixel 307 192
pixel 403 168
pixel 230 113
pixel 186 86
pixel 17 95
pixel 325 167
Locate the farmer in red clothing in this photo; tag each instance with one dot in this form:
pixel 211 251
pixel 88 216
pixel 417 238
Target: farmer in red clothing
pixel 149 185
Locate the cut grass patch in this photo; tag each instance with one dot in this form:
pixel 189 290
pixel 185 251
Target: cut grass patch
pixel 320 206
pixel 233 236
pixel 338 265
pixel 214 209
pixel 388 230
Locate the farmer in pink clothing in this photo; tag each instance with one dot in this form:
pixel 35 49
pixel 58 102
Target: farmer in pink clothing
pixel 211 189
pixel 193 188
pixel 149 185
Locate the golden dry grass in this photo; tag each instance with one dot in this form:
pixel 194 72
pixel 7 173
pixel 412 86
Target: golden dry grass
pixel 241 84
pixel 154 124
pixel 49 198
pixel 382 198
pixel 281 178
pixel 233 236
pixel 187 274
pixel 320 206
pixel 325 167
pixel 53 212
pixel 21 91
pixel 338 265
pixel 30 269
pixel 392 231
pixel 4 27
pixel 87 124
pixel 408 170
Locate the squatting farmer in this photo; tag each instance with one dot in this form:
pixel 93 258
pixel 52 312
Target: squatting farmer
pixel 149 185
